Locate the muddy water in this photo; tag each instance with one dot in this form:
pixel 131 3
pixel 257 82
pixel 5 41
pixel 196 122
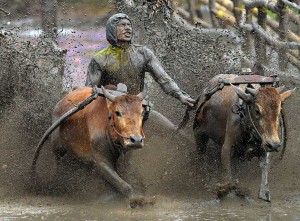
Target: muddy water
pixel 179 190
pixel 177 179
pixel 164 209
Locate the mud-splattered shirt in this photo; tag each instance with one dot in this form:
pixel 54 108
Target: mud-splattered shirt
pixel 114 65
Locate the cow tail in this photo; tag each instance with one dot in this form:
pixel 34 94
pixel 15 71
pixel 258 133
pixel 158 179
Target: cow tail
pixel 44 139
pixel 46 135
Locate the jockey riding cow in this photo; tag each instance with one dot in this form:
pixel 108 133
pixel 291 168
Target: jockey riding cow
pixel 124 62
pixel 110 125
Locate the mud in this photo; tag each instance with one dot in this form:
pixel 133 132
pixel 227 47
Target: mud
pixel 167 170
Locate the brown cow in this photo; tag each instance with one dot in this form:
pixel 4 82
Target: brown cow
pixel 234 126
pixel 99 133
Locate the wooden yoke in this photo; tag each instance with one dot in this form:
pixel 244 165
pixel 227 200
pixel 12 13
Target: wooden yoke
pixel 245 78
pixel 251 79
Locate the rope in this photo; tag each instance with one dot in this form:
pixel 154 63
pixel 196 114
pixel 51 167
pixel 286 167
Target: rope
pixel 117 132
pixel 255 128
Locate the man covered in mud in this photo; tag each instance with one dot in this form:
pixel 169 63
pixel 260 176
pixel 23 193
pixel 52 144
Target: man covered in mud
pixel 124 62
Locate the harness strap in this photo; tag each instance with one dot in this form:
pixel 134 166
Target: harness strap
pixel 207 95
pixel 241 111
pixel 112 144
pixel 255 128
pixel 213 90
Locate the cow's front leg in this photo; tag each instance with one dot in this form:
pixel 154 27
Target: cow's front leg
pixel 264 191
pixel 109 174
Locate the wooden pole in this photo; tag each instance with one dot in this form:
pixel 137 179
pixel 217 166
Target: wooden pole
pixel 248 36
pixel 227 4
pixel 269 21
pixel 237 10
pixel 282 34
pixel 290 4
pixel 259 43
pixel 176 3
pixel 260 3
pixel 186 15
pixel 212 6
pixel 191 9
pixel 224 16
pixel 275 26
pixel 294 17
pixel 294 53
pixel 293 60
pixel 273 41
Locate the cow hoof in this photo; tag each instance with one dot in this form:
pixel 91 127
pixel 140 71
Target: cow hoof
pixel 139 201
pixel 231 189
pixel 265 195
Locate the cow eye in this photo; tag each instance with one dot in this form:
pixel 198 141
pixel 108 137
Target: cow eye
pixel 118 113
pixel 257 112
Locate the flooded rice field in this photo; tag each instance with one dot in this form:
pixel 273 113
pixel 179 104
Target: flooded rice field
pixel 56 208
pixel 167 169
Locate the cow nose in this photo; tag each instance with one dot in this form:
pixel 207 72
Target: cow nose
pixel 136 140
pixel 273 146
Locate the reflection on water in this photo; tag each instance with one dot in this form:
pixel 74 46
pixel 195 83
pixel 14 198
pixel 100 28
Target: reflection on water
pixel 164 209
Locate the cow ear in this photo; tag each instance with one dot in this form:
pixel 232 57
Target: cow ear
pixel 285 95
pixel 280 89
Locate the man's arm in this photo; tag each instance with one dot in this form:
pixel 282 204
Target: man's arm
pixel 168 85
pixel 93 74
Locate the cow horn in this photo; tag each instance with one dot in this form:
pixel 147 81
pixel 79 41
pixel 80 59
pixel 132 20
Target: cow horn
pixel 108 95
pixel 252 91
pixel 143 94
pixel 280 89
pixel 245 97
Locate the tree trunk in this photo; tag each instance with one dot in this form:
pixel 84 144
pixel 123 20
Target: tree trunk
pixel 282 34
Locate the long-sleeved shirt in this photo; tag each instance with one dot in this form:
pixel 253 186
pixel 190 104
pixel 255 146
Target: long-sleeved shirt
pixel 114 65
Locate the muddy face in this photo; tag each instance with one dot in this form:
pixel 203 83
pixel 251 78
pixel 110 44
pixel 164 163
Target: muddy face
pixel 265 112
pixel 124 31
pixel 126 121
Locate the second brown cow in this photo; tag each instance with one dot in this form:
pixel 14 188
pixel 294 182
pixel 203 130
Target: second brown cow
pixel 235 118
